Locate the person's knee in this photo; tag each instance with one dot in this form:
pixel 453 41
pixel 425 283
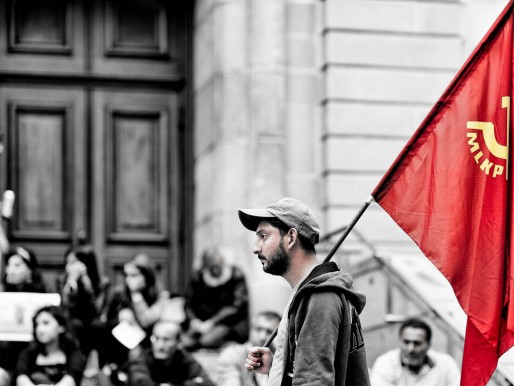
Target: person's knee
pixel 5 378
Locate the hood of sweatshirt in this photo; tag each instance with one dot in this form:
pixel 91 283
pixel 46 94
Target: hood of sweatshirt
pixel 327 277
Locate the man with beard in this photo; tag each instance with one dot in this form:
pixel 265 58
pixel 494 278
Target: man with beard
pixel 413 364
pixel 319 340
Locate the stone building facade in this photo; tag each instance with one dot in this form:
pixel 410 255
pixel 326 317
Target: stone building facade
pixel 314 99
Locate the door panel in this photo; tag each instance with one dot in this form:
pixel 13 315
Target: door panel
pixel 139 36
pixel 42 36
pixel 45 153
pixel 136 174
pixel 89 96
pixel 44 161
pixel 136 132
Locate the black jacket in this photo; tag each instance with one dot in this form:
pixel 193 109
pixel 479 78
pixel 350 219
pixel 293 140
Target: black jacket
pixel 324 344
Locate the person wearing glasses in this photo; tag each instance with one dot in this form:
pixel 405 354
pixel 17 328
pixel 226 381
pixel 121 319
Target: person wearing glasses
pixel 165 363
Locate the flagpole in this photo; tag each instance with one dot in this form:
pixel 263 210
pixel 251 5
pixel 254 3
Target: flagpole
pixel 346 232
pixel 349 229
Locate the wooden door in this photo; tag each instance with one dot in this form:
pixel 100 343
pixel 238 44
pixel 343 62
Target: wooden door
pixel 44 164
pixel 90 95
pixel 135 196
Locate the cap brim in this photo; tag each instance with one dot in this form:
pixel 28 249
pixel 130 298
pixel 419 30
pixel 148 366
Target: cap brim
pixel 251 218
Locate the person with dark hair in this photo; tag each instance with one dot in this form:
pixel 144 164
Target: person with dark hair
pixel 82 294
pixel 140 301
pixel 54 357
pixel 21 271
pixel 165 362
pixel 21 274
pixel 231 361
pixel 413 363
pixel 216 303
pixel 319 339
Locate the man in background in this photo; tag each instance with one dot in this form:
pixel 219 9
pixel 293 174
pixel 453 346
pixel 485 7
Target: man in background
pixel 165 362
pixel 413 363
pixel 231 362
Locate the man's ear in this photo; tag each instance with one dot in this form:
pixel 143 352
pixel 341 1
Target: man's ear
pixel 292 238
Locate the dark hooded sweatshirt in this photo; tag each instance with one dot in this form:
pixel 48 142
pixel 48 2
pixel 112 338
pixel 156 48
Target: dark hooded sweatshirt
pixel 324 344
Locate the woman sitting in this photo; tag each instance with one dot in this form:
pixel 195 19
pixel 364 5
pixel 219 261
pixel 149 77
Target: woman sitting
pixel 21 275
pixel 54 357
pixel 21 271
pixel 82 294
pixel 140 301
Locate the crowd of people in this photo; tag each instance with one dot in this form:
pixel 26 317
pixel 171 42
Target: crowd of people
pixel 214 314
pixel 319 339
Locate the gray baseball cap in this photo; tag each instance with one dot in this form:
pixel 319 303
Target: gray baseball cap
pixel 292 212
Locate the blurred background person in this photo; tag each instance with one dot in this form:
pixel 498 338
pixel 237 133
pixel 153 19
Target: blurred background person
pixel 413 363
pixel 21 271
pixel 82 294
pixel 165 362
pixel 21 274
pixel 139 301
pixel 231 362
pixel 216 304
pixel 54 357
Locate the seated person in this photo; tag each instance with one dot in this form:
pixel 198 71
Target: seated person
pixel 231 362
pixel 21 271
pixel 165 362
pixel 413 363
pixel 216 304
pixel 54 357
pixel 21 274
pixel 139 301
pixel 83 295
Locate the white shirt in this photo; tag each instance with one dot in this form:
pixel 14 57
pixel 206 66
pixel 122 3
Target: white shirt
pixel 388 371
pixel 277 367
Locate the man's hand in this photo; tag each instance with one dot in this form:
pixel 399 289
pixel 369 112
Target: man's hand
pixel 259 359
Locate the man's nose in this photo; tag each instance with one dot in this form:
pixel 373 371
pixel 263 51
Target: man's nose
pixel 256 248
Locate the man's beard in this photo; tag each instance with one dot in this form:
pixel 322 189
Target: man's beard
pixel 278 262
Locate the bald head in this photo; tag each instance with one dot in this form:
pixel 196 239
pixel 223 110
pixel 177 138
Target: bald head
pixel 165 337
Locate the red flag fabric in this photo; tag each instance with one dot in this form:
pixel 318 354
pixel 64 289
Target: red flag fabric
pixel 450 190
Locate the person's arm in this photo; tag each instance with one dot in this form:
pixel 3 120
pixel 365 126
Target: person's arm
pixel 323 320
pixel 23 380
pixel 145 314
pixel 230 367
pixel 75 365
pixel 382 373
pixel 23 369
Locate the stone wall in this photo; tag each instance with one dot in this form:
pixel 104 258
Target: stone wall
pixel 314 99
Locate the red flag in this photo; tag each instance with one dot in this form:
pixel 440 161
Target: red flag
pixel 450 190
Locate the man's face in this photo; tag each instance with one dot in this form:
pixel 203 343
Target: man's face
pixel 262 328
pixel 164 340
pixel 270 250
pixel 413 346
